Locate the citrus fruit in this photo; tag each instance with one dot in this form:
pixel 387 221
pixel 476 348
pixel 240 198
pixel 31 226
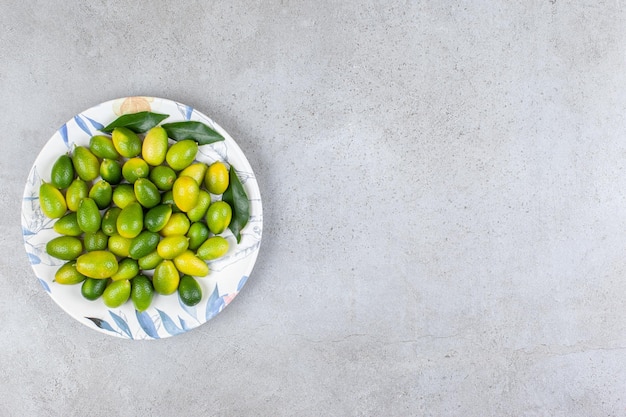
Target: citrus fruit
pixel 93 288
pixel 135 168
pixel 188 263
pixel 216 179
pixel 150 261
pixel 147 193
pixel 196 171
pixel 77 190
pixel 102 146
pixel 178 224
pixel 67 248
pixel 163 177
pixel 130 221
pixel 157 217
pixel 68 274
pixel 88 215
pixel 97 264
pixel 185 193
pixel 119 245
pixel 62 173
pixel 116 293
pixel 102 193
pixel 141 292
pixel 67 225
pixel 126 142
pixel 171 246
pixel 198 211
pixel 51 201
pixel 127 269
pixel 198 233
pixel 213 248
pixel 123 195
pixel 111 171
pixel 181 154
pixel 166 278
pixel 218 216
pixel 85 163
pixel 143 244
pixel 109 221
pixel 189 291
pixel 95 241
pixel 155 146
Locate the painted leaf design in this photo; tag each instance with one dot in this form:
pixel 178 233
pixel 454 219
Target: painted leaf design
pixel 25 231
pixel 242 282
pixel 34 179
pixel 185 110
pixel 146 323
pixel 44 284
pixel 101 324
pixel 34 259
pixel 169 324
pixel 63 133
pixel 81 123
pixel 121 324
pixel 96 125
pixel 214 305
pixel 183 324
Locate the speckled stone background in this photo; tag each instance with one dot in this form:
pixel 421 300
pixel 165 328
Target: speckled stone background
pixel 444 205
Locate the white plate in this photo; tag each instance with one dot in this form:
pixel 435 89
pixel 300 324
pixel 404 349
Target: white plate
pixel 167 316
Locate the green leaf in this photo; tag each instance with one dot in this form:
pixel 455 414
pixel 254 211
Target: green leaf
pixel 137 122
pixel 235 195
pixel 190 129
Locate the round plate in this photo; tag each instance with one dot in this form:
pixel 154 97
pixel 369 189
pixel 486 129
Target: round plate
pixel 167 316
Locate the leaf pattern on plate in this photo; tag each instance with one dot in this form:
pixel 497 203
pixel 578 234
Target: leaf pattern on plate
pixel 102 324
pixel 121 324
pixel 39 251
pixel 242 282
pixel 63 133
pixel 146 323
pixel 26 232
pixel 185 110
pixel 214 305
pixel 34 259
pixel 44 284
pixel 33 220
pixel 81 123
pixel 169 324
pixel 183 324
pixel 96 125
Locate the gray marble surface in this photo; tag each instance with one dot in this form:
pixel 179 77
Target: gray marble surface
pixel 443 188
